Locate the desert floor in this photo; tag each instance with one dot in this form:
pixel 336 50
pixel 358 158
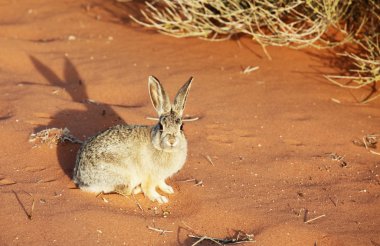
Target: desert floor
pixel 269 134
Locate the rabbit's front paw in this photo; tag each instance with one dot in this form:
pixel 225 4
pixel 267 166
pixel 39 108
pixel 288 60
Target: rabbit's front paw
pixel 166 188
pixel 158 198
pixel 162 199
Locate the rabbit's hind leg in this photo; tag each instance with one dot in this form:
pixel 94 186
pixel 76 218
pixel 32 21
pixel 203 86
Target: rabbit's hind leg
pixel 126 189
pixel 122 189
pixel 137 190
pixel 95 188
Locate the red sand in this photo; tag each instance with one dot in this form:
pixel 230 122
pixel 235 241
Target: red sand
pixel 267 134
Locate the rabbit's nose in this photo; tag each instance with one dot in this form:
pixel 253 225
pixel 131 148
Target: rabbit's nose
pixel 172 141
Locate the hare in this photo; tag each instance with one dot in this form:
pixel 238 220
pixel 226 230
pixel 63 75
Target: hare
pixel 138 158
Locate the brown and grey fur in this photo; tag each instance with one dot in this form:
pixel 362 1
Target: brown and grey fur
pixel 138 158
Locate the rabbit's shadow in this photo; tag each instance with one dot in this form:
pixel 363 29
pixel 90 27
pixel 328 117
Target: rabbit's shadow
pixel 81 123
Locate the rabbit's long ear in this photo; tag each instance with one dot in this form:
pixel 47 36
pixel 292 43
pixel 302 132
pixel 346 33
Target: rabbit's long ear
pixel 180 98
pixel 158 96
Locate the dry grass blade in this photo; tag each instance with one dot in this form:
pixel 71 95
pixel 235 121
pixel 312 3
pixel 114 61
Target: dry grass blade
pixel 187 180
pixel 32 209
pixel 249 69
pixel 335 100
pixel 190 119
pixel 196 181
pixel 161 231
pixel 316 218
pixel 208 158
pixel 201 239
pixel 101 195
pixel 137 203
pixel 374 152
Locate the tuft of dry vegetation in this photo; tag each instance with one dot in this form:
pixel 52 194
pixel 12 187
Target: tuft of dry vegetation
pixel 294 23
pixel 368 141
pixel 53 136
pixel 350 25
pixel 239 238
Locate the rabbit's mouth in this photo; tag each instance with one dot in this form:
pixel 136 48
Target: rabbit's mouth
pixel 167 146
pixel 170 149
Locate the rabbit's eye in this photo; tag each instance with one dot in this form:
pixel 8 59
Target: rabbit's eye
pixel 160 126
pixel 178 121
pixel 181 128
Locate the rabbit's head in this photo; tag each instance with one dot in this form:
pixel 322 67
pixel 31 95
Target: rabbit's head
pixel 168 134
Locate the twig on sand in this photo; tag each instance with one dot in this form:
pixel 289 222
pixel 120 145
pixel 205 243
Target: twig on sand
pixel 240 237
pixel 374 152
pixel 152 118
pixel 28 214
pixel 187 180
pixel 208 158
pixel 335 100
pixel 197 181
pixel 137 203
pixel 200 239
pixel 161 231
pixel 91 101
pixel 99 194
pixel 249 69
pixel 318 217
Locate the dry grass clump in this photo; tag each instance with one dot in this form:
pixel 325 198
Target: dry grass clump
pixel 365 71
pixel 363 56
pixel 53 136
pixel 369 141
pixel 293 23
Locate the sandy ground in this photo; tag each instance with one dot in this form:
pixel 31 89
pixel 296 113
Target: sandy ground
pixel 84 66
